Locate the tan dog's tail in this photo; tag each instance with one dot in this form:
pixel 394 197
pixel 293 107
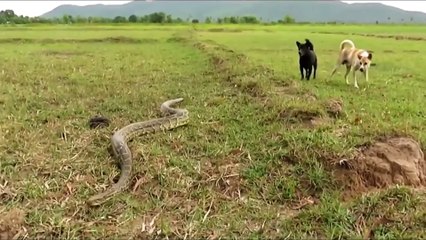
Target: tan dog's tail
pixel 346 43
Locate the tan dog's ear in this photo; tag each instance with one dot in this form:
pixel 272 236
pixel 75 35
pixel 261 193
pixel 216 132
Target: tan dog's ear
pixel 370 56
pixel 363 54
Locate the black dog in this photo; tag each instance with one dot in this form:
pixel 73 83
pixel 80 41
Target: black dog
pixel 307 58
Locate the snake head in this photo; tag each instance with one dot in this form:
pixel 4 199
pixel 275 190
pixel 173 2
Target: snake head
pixel 170 102
pixel 166 106
pixel 95 201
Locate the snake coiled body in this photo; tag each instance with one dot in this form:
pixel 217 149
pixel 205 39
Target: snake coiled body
pixel 176 117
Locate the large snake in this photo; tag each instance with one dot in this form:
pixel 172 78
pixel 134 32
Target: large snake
pixel 176 117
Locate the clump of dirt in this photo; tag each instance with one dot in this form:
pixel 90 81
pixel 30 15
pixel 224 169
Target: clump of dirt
pixel 411 51
pixel 121 39
pixel 177 39
pixel 98 122
pixel 218 62
pixel 310 97
pixel 252 88
pixel 11 223
pixel 223 30
pixel 397 160
pixel 62 54
pixel 293 114
pixel 17 40
pixel 309 118
pixel 334 108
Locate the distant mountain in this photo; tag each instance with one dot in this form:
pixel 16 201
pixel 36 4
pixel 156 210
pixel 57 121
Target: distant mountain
pixel 302 11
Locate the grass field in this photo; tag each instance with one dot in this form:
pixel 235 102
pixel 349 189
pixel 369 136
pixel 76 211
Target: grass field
pixel 258 158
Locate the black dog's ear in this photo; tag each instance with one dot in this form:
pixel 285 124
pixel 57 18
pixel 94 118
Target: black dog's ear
pixel 370 56
pixel 309 44
pixel 297 43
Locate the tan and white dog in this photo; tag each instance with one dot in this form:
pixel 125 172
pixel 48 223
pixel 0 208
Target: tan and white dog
pixel 354 59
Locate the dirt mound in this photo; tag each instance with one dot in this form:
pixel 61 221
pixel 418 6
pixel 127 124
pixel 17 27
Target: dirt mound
pixel 224 30
pixel 302 117
pixel 393 161
pixel 334 107
pixel 298 115
pixel 11 223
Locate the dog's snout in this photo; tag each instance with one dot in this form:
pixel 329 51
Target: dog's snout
pixel 361 69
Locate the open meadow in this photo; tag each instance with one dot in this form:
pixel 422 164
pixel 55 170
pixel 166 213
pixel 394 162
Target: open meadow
pixel 265 154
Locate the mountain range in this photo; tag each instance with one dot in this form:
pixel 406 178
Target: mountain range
pixel 301 11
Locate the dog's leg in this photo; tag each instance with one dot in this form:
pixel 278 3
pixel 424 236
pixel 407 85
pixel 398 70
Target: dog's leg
pixel 348 69
pixel 315 70
pixel 336 66
pixel 308 73
pixel 334 70
pixel 301 72
pixel 366 75
pixel 355 81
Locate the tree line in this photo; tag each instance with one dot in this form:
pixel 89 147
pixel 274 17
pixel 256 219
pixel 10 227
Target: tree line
pixel 9 17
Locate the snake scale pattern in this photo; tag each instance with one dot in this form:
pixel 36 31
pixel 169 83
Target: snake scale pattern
pixel 174 117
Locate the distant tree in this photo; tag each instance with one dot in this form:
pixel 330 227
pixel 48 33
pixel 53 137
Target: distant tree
pixel 133 18
pixel 288 19
pixel 169 19
pixel 9 17
pixel 101 20
pixel 233 20
pixel 178 20
pixel 80 19
pixel 377 22
pixel 157 17
pixel 67 19
pixel 8 14
pixel 249 19
pixel 144 19
pixel 20 19
pixel 119 19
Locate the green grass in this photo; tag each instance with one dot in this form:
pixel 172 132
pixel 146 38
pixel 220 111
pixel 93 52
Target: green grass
pixel 248 165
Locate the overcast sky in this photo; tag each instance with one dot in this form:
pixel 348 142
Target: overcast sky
pixel 36 8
